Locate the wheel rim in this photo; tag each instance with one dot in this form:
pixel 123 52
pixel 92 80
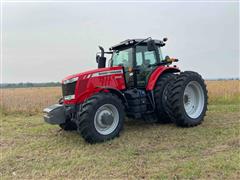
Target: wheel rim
pixel 106 119
pixel 193 99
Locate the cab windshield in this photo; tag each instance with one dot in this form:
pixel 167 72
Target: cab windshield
pixel 122 58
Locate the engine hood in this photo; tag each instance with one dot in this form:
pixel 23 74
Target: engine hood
pixel 91 72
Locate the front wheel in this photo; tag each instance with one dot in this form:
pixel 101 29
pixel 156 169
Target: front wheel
pixel 188 99
pixel 68 126
pixel 101 118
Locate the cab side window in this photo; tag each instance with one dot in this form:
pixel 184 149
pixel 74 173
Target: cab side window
pixel 150 57
pixel 145 57
pixel 144 60
pixel 139 58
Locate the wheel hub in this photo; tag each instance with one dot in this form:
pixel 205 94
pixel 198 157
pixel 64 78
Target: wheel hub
pixel 186 99
pixel 107 119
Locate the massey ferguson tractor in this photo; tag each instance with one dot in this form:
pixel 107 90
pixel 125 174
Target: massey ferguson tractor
pixel 138 83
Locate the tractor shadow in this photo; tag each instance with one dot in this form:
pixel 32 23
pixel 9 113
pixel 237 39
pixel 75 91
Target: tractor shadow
pixel 133 129
pixel 142 124
pixel 141 127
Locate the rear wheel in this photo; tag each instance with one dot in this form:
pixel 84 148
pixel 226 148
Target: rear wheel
pixel 188 99
pixel 101 118
pixel 160 95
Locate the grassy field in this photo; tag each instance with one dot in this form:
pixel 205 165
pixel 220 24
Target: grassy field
pixel 32 149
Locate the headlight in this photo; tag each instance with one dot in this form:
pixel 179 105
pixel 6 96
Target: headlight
pixel 70 80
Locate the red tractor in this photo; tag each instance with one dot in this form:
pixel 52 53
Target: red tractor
pixel 138 83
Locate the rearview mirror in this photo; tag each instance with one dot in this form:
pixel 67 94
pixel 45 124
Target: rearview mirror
pixel 151 46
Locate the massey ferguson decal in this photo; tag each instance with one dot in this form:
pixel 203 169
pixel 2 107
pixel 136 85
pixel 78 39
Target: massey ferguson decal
pixel 106 73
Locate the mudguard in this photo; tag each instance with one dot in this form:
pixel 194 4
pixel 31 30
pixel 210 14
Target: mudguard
pixel 157 73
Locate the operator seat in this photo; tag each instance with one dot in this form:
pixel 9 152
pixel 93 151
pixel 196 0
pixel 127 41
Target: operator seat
pixel 146 63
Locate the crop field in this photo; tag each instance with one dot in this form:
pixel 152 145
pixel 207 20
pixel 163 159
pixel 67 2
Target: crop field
pixel 32 149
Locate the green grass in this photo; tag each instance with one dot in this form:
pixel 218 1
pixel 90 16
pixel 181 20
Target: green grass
pixel 31 148
pixel 225 99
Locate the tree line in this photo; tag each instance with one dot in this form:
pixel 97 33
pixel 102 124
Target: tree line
pixel 29 84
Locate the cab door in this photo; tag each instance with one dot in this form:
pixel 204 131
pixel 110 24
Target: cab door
pixel 145 65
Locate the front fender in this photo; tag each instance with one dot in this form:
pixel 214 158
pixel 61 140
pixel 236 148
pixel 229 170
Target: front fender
pixel 115 91
pixel 105 89
pixel 157 73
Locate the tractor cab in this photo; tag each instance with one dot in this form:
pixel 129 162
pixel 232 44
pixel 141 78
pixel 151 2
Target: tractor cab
pixel 139 58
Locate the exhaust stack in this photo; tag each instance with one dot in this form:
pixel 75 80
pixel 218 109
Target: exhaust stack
pixel 101 60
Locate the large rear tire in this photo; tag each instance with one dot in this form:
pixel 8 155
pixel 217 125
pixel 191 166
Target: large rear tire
pixel 187 99
pixel 101 118
pixel 160 95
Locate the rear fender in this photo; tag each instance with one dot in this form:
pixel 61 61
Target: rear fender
pixel 157 73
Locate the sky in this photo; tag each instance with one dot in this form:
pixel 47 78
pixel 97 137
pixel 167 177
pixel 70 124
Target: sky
pixel 45 42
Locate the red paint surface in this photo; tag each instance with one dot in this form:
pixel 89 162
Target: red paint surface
pixel 154 76
pixel 86 87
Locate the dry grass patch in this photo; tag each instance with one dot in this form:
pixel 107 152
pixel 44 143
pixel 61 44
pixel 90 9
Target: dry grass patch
pixel 28 100
pixel 224 91
pixel 33 100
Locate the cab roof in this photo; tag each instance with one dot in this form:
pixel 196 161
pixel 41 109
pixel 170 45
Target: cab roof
pixel 131 42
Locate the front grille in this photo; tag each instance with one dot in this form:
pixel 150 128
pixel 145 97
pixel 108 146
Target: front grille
pixel 68 89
